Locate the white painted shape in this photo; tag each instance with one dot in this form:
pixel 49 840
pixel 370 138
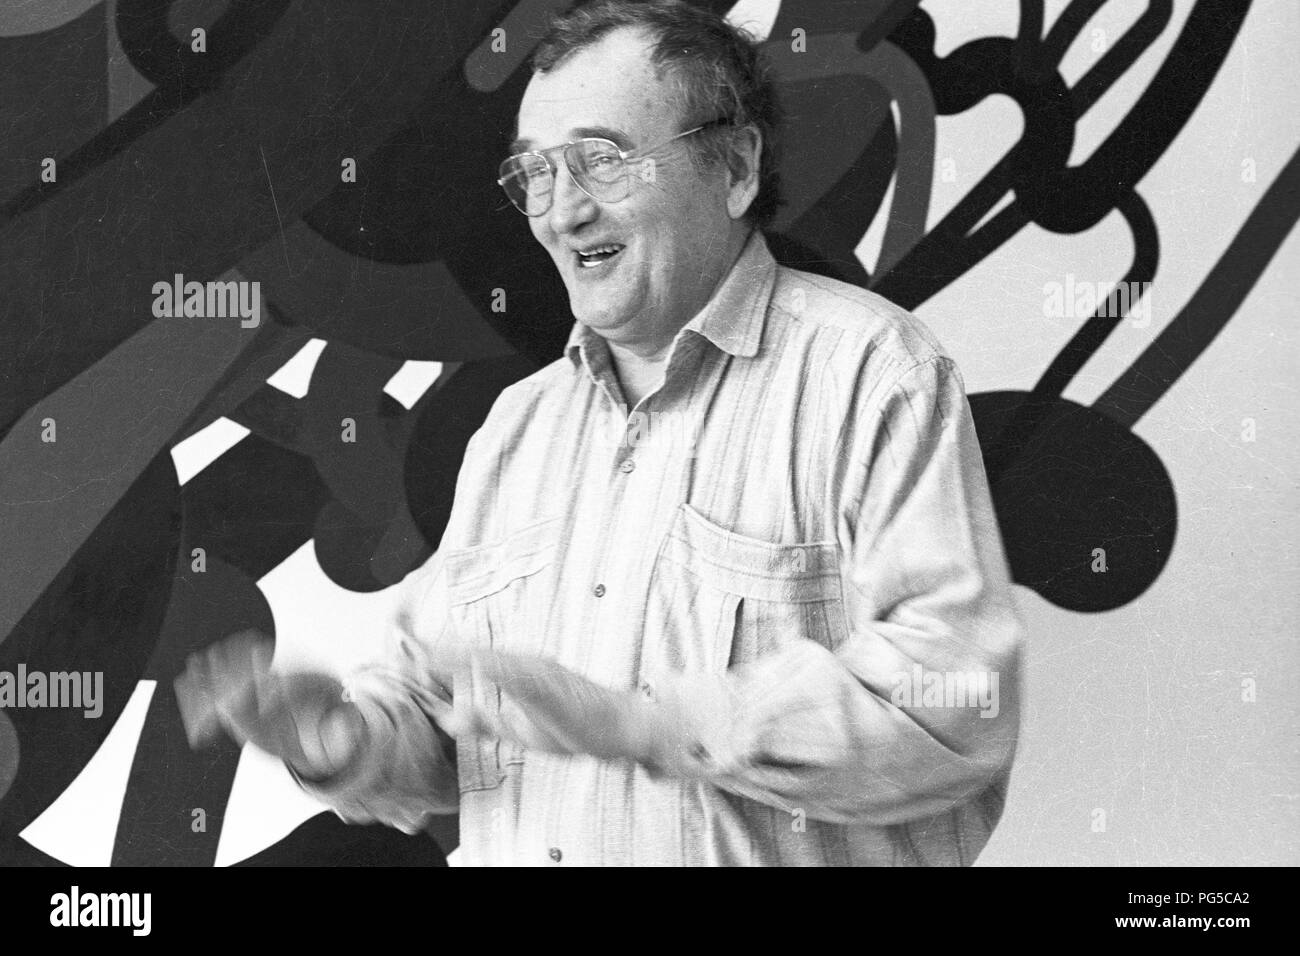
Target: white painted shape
pixel 265 806
pixel 204 447
pixel 294 376
pixel 1096 125
pixel 412 380
pixel 79 827
pixel 958 22
pixel 756 16
pixel 319 625
pixel 974 141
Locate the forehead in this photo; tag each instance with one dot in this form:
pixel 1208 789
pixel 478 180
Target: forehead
pixel 610 84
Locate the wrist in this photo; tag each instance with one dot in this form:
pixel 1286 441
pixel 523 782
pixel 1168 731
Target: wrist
pixel 340 741
pixel 689 727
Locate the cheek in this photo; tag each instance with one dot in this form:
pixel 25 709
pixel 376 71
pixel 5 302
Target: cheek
pixel 697 209
pixel 537 226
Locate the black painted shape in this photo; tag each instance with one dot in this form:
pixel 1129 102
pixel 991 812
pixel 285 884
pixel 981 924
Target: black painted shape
pixel 836 223
pixel 103 612
pixel 1077 198
pixel 277 341
pixel 275 129
pixel 251 508
pixel 440 201
pixel 401 311
pixel 325 840
pixel 1122 54
pixel 15 851
pixel 1086 341
pixel 364 538
pixel 1090 336
pixel 295 478
pixel 180 75
pixel 168 780
pixel 41 118
pixel 1046 191
pixel 799 254
pixel 169 62
pixel 1081 481
pixel 960 81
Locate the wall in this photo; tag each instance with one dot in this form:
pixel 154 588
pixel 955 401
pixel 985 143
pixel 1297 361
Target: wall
pixel 989 172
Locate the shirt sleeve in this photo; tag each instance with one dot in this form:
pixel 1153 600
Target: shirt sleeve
pixel 917 709
pixel 407 769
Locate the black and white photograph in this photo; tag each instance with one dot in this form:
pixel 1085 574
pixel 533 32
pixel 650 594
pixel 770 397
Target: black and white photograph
pixel 649 433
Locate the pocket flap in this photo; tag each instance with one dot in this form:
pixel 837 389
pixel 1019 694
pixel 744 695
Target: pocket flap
pixel 798 573
pixel 474 573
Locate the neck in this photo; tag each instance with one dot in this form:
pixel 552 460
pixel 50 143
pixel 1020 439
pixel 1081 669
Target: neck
pixel 640 365
pixel 653 350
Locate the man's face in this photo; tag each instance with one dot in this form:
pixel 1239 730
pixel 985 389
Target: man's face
pixel 673 232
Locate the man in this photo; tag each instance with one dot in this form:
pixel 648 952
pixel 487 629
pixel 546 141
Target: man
pixel 711 577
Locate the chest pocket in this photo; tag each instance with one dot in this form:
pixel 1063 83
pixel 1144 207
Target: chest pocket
pixel 498 596
pixel 727 599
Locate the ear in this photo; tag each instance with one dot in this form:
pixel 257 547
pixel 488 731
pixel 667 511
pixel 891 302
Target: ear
pixel 744 151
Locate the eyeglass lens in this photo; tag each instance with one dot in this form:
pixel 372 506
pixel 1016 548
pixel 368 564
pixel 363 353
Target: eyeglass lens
pixel 594 164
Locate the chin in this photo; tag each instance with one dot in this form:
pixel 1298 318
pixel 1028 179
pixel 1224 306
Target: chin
pixel 596 315
pixel 601 322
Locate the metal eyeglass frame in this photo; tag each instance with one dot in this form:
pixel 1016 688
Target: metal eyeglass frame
pixel 623 154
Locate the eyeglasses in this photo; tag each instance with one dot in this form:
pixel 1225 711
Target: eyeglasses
pixel 598 167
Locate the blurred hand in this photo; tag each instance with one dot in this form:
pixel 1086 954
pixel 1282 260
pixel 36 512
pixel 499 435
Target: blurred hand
pixel 300 718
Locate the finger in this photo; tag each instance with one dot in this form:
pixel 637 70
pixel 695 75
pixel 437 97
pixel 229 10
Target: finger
pixel 244 643
pixel 237 704
pixel 242 682
pixel 239 655
pixel 199 692
pixel 197 705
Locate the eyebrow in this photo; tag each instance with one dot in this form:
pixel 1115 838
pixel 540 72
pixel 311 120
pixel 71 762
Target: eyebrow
pixel 617 136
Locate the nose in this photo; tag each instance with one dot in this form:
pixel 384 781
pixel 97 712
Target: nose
pixel 571 208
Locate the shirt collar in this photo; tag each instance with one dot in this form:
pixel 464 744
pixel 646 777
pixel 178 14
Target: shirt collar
pixel 733 317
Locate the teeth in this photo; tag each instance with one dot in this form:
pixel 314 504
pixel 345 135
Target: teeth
pixel 596 250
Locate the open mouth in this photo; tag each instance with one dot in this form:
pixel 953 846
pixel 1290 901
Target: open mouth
pixel 598 255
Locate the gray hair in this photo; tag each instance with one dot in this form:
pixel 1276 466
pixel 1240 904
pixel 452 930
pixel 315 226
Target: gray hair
pixel 716 68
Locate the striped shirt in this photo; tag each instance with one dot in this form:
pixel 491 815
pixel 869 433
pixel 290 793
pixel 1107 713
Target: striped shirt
pixel 796 523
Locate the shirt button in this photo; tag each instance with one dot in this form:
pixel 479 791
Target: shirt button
pixel 555 854
pixel 598 590
pixel 628 466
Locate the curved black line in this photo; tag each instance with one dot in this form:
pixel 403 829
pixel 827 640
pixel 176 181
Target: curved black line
pixel 1117 60
pixel 1014 437
pixel 1093 332
pixel 1146 131
pixel 1027 52
pixel 1067 27
pixel 1216 299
